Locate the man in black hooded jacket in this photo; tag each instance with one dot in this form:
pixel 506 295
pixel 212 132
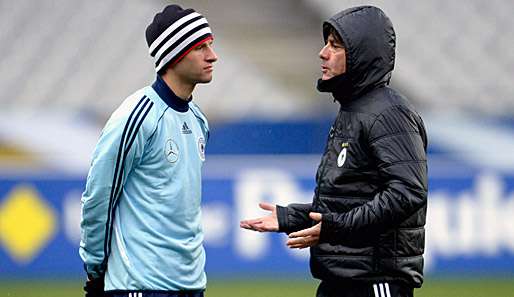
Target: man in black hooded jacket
pixel 365 226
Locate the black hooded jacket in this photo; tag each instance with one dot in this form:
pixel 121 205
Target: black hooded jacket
pixel 372 179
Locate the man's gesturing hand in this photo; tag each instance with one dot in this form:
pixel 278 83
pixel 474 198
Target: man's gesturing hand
pixel 306 237
pixel 264 224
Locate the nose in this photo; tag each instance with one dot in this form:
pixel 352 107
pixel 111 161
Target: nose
pixel 211 55
pixel 323 53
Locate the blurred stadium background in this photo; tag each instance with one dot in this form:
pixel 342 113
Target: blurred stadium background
pixel 65 65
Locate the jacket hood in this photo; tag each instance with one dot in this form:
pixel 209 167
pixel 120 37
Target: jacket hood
pixel 369 38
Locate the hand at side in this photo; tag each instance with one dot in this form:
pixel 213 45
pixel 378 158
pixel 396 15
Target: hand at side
pixel 94 287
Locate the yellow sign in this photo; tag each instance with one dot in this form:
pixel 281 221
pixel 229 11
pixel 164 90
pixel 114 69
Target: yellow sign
pixel 27 223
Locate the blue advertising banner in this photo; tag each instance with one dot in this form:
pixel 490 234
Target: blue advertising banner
pixel 469 225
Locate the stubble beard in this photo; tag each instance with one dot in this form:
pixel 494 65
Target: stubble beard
pixel 204 80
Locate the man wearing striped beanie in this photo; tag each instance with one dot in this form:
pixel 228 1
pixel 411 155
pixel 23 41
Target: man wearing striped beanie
pixel 141 231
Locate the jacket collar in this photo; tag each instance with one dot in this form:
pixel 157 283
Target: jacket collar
pixel 169 97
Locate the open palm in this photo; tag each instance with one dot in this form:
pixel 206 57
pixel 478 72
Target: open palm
pixel 263 224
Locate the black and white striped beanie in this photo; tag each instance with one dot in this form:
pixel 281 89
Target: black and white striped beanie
pixel 173 33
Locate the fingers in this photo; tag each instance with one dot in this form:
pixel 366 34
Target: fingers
pixel 245 225
pixel 315 216
pixel 249 224
pixel 251 221
pixel 303 233
pixel 302 239
pixel 261 225
pixel 302 242
pixel 267 206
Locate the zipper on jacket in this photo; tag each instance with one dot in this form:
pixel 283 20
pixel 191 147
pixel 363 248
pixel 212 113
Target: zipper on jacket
pixel 323 164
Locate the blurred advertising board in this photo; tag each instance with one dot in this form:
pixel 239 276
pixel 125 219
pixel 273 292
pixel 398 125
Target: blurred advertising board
pixel 470 229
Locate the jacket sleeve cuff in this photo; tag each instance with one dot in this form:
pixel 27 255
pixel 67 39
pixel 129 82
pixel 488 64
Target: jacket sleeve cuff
pixel 93 271
pixel 282 219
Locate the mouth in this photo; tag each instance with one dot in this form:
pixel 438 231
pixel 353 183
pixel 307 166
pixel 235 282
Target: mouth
pixel 324 69
pixel 208 68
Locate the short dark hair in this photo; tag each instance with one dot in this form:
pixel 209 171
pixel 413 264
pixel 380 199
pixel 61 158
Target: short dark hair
pixel 337 37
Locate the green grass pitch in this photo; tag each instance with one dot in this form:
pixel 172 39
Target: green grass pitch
pixel 271 288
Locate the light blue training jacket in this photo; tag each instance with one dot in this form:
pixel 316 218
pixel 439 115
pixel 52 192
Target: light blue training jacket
pixel 141 216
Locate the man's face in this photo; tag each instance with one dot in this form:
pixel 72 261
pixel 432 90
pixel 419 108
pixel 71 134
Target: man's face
pixel 197 65
pixel 333 58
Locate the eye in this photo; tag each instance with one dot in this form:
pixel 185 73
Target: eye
pixel 200 47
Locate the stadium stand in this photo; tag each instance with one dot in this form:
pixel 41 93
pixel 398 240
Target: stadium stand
pixel 85 57
pixel 68 64
pixel 451 54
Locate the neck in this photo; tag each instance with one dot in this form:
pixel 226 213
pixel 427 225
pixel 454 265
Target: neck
pixel 182 89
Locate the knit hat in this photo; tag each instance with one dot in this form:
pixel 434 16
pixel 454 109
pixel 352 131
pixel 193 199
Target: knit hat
pixel 173 33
